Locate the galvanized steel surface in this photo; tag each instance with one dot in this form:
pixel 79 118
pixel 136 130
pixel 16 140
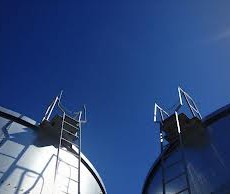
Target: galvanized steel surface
pixel 27 163
pixel 208 161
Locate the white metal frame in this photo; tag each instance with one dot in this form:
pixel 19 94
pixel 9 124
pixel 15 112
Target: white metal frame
pixel 191 103
pixel 51 107
pixel 162 112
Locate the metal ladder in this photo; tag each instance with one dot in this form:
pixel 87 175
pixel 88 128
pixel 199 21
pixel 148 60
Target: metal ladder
pixel 70 133
pixel 166 153
pixel 173 139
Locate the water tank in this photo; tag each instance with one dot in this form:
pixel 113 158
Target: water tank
pixel 207 155
pixel 28 156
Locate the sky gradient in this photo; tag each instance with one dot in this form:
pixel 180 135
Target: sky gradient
pixel 118 58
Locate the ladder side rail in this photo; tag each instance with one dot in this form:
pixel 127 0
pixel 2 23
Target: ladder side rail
pixel 82 113
pixel 162 112
pixel 155 113
pixel 60 106
pixel 59 146
pixel 182 149
pixel 50 109
pixel 85 118
pixel 162 160
pixel 79 161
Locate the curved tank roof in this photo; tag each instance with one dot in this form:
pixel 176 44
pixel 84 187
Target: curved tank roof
pixel 208 120
pixel 30 123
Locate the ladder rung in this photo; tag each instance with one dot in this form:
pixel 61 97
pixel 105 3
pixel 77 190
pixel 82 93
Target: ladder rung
pixel 172 179
pixel 70 142
pixel 76 181
pixel 182 190
pixel 76 167
pixel 73 180
pixel 70 132
pixel 77 155
pixel 71 118
pixel 174 163
pixel 75 127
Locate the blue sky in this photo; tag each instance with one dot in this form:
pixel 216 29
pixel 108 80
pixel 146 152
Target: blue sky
pixel 118 58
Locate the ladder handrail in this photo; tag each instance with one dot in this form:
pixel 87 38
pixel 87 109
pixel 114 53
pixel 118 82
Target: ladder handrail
pixel 76 117
pixel 78 154
pixel 62 108
pixel 50 109
pixel 195 112
pixel 57 101
pixel 79 149
pixel 162 112
pixel 188 98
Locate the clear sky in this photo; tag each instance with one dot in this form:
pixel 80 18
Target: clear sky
pixel 118 58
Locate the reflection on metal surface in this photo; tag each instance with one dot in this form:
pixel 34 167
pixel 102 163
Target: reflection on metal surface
pixel 207 153
pixel 28 157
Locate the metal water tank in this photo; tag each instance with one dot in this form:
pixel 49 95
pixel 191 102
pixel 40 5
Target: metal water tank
pixel 28 159
pixel 207 155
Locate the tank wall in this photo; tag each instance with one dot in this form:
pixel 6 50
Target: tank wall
pixel 27 164
pixel 208 163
